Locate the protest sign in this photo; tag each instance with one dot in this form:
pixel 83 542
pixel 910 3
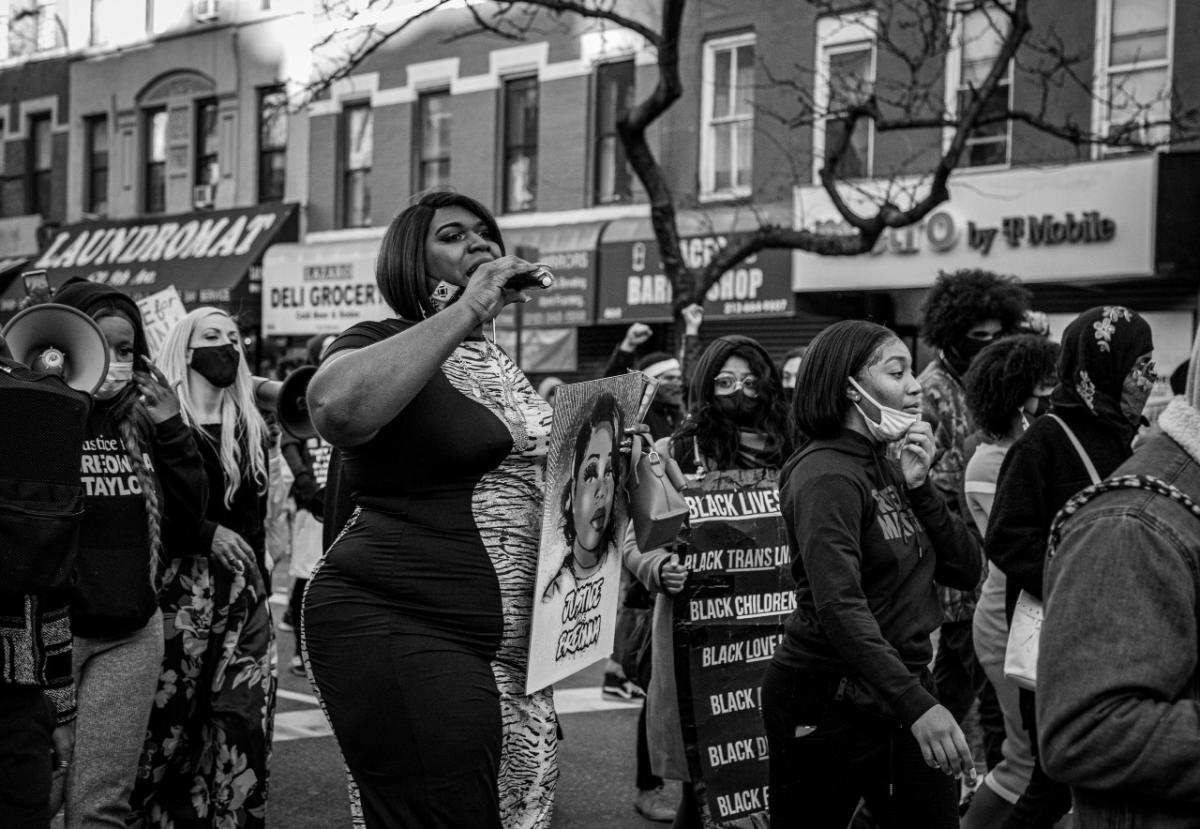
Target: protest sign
pixel 578 581
pixel 160 313
pixel 727 621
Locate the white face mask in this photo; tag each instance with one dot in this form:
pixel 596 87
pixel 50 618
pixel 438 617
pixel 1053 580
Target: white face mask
pixel 893 423
pixel 118 377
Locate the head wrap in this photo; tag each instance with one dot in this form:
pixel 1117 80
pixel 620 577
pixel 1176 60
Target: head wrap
pixel 1099 348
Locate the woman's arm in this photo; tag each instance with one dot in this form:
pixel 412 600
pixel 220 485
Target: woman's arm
pixel 355 393
pixel 184 485
pixel 959 556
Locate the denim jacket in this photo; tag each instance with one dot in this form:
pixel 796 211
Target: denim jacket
pixel 1118 702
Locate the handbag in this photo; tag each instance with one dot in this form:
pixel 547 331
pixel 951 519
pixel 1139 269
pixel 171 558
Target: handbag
pixel 1025 630
pixel 657 509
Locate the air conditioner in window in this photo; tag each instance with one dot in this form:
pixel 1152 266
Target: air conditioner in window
pixel 206 10
pixel 203 195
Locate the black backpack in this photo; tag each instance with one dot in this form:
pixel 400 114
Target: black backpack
pixel 42 426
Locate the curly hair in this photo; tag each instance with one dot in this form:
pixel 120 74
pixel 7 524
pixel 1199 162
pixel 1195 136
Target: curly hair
pixel 961 299
pixel 1004 375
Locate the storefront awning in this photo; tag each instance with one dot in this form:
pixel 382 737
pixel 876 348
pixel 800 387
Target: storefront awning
pixel 633 287
pixel 207 255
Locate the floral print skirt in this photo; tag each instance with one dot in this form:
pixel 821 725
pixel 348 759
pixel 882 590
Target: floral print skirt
pixel 208 743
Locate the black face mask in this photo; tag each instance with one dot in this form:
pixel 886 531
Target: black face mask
pixel 739 408
pixel 218 364
pixel 962 355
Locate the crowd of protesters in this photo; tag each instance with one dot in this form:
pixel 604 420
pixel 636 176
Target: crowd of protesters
pixel 919 509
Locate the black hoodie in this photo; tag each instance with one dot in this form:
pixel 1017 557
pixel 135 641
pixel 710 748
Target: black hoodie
pixel 111 593
pixel 866 551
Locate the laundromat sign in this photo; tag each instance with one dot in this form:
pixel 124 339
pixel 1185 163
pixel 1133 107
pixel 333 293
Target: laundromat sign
pixel 634 287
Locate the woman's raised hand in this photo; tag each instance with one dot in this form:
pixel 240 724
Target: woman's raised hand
pixel 155 392
pixel 486 294
pixel 916 453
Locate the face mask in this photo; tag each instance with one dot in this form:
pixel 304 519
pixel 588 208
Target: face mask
pixel 118 377
pixel 1136 391
pixel 962 355
pixel 739 408
pixel 218 364
pixel 893 423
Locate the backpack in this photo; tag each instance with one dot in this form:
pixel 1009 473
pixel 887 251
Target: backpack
pixel 43 422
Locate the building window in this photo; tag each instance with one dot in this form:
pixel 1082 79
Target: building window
pixel 156 160
pixel 614 95
pixel 727 139
pixel 357 140
pixel 1135 90
pixel 208 142
pixel 272 144
pixel 845 77
pixel 39 160
pixel 982 35
pixel 433 140
pixel 520 144
pixel 95 197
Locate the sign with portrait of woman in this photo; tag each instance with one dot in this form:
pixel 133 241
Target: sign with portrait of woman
pixel 579 565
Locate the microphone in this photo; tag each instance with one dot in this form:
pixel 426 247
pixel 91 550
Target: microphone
pixel 539 277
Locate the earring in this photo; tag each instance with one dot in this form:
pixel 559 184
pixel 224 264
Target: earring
pixel 853 395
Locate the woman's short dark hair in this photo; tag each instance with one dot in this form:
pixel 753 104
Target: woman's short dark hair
pixel 964 298
pixel 838 353
pixel 604 412
pixel 400 267
pixel 1004 376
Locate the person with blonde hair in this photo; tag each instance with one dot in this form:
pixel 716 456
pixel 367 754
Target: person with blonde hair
pixel 209 740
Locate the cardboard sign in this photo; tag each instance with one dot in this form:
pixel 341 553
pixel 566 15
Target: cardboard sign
pixel 161 311
pixel 578 581
pixel 727 621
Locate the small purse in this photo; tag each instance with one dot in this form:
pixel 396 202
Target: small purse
pixel 1025 630
pixel 657 509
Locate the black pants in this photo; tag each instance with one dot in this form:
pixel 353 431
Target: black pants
pixel 817 777
pixel 1044 801
pixel 26 724
pixel 417 719
pixel 296 610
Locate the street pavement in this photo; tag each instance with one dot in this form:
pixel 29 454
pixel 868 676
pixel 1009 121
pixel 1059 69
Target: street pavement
pixel 596 756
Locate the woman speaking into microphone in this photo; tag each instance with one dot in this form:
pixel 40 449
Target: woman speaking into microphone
pixel 420 609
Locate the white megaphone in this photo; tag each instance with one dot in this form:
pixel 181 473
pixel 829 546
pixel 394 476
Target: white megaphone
pixel 286 398
pixel 58 339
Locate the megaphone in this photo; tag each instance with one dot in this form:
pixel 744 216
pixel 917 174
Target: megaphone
pixel 286 398
pixel 58 339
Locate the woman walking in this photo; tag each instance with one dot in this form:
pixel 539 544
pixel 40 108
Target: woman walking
pixel 848 699
pixel 208 746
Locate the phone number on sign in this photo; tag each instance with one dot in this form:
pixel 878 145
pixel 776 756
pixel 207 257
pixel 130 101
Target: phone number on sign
pixel 761 306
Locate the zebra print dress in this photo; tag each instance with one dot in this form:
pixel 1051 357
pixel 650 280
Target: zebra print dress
pixel 507 505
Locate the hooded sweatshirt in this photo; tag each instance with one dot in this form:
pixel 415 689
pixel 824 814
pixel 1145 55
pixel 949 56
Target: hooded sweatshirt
pixel 111 592
pixel 865 553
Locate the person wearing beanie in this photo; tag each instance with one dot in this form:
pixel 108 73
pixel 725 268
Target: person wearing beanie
pixel 1118 719
pixel 145 493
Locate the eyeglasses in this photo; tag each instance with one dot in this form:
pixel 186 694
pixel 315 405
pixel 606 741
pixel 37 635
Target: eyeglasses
pixel 725 383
